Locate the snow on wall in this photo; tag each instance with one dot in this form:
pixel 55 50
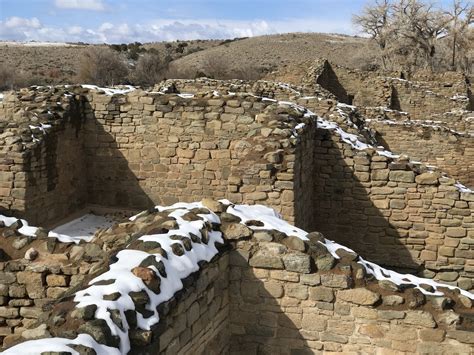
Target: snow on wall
pixel 179 267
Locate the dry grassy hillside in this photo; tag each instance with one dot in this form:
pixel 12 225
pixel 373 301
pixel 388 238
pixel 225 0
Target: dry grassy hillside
pixel 59 64
pixel 274 52
pixel 243 58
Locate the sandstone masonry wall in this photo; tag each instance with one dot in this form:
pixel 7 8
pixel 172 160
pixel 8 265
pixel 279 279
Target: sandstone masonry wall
pixel 277 311
pixel 142 149
pixel 266 291
pixel 451 153
pixel 197 322
pixel 391 213
pixel 29 285
pixel 42 170
pixel 422 97
pixel 25 290
pixel 145 149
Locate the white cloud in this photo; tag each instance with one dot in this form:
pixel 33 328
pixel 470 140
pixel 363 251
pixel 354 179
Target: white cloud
pixel 19 28
pixel 23 29
pixel 96 5
pixel 20 22
pixel 75 30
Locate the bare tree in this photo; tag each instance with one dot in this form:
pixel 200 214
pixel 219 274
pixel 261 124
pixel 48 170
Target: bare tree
pixel 461 16
pixel 410 33
pixel 375 21
pixel 102 66
pixel 215 67
pixel 150 69
pixel 421 25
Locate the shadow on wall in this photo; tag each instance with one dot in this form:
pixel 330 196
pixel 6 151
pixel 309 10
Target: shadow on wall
pixel 343 211
pixel 110 179
pixel 394 99
pixel 470 96
pixel 51 182
pixel 328 80
pixel 261 304
pixel 78 165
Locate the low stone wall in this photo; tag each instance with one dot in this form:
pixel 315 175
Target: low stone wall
pixel 433 145
pixel 35 273
pixel 276 311
pixel 392 213
pixel 197 322
pixel 270 288
pixel 422 99
pixel 261 88
pixel 421 96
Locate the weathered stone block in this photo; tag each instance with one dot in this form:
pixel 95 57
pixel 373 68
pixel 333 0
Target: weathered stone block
pixel 336 280
pixel 297 262
pixel 402 176
pixel 321 293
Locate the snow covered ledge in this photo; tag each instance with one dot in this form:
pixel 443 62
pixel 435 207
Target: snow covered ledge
pixel 170 273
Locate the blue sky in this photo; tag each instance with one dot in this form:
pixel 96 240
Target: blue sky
pixel 117 21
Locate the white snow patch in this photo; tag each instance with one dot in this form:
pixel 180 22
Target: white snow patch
pixel 42 127
pixel 381 273
pixel 177 268
pixel 36 347
pixel 462 188
pixel 25 230
pixel 186 96
pixel 270 218
pixel 82 228
pixel 110 91
pixel 342 105
pixel 460 97
pixel 37 44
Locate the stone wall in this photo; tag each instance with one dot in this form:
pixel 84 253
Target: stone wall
pixel 321 73
pixel 422 99
pixel 434 145
pixel 268 89
pixel 144 149
pixel 197 322
pixel 34 273
pixel 272 290
pixel 421 96
pixel 391 212
pixel 282 310
pixel 25 290
pixel 43 168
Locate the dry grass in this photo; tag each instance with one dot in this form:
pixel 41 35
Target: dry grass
pixel 245 59
pixel 269 53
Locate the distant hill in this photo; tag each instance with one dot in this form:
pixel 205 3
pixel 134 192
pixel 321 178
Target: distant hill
pixel 274 52
pixel 58 64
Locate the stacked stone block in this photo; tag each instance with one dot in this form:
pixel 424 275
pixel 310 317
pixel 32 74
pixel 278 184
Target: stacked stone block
pixel 286 312
pixel 150 149
pixel 450 152
pixel 393 212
